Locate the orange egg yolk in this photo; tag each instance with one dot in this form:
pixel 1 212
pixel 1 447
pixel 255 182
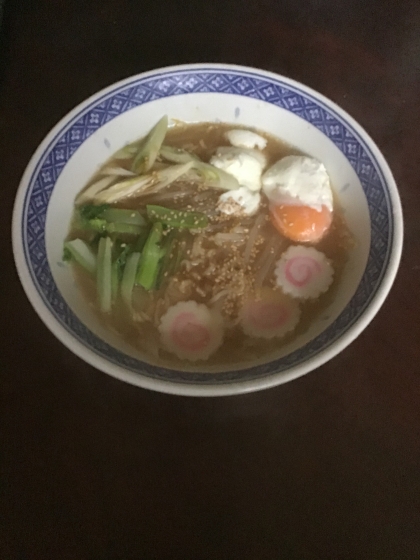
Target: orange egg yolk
pixel 301 223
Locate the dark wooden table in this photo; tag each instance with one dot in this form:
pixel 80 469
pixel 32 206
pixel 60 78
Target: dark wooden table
pixel 326 467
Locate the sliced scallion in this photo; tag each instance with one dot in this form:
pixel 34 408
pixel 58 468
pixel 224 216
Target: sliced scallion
pixel 215 177
pixel 93 190
pixel 149 148
pixel 140 185
pixel 177 155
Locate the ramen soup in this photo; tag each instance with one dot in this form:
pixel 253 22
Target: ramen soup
pixel 208 242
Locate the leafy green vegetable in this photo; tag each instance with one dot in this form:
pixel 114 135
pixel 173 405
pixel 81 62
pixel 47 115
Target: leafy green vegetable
pixel 177 218
pixel 102 226
pixel 129 278
pixel 120 251
pixel 104 274
pixel 92 211
pixel 78 250
pixel 149 263
pixel 169 258
pixel 115 280
pixel 122 258
pixel 141 240
pixel 96 224
pixel 122 216
pixel 127 229
pixel 103 219
pixel 123 250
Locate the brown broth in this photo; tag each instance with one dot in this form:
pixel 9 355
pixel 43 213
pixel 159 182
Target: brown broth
pixel 202 139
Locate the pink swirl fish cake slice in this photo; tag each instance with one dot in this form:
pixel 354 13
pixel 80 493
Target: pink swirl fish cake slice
pixel 269 314
pixel 303 272
pixel 191 330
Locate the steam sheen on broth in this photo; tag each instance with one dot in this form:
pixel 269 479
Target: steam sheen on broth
pixel 199 263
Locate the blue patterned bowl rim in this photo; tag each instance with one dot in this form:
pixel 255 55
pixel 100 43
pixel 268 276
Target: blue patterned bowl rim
pixel 69 134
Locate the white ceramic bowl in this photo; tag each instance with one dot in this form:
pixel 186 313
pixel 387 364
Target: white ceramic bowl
pixel 89 134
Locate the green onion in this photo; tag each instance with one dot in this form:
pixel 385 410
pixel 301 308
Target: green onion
pixel 91 191
pixel 129 278
pixel 150 147
pixel 116 172
pixel 177 155
pixel 177 218
pixel 215 177
pixel 149 263
pixel 127 151
pixel 104 274
pixel 156 180
pixel 81 253
pixel 122 189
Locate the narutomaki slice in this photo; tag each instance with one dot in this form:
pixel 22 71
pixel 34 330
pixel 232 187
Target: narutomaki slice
pixel 303 272
pixel 269 314
pixel 191 330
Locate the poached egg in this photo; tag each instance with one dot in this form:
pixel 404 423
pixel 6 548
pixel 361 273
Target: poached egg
pixel 300 196
pixel 246 139
pixel 247 200
pixel 244 164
